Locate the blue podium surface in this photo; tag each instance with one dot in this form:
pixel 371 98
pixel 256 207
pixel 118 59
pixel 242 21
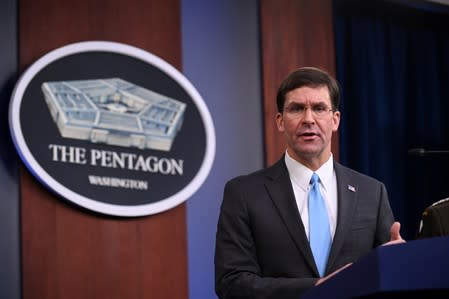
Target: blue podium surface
pixel 418 267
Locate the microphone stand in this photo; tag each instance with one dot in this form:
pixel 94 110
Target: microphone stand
pixel 421 152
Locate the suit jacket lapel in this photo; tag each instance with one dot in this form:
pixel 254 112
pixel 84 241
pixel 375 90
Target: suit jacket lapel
pixel 347 198
pixel 280 190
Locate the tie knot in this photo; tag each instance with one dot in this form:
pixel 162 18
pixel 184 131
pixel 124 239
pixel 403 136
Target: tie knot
pixel 315 179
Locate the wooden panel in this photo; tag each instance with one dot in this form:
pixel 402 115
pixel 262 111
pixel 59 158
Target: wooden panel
pixel 294 33
pixel 68 252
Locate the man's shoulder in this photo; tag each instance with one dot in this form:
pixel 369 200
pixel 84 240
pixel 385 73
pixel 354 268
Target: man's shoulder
pixel 261 175
pixel 434 220
pixel 439 205
pixel 350 173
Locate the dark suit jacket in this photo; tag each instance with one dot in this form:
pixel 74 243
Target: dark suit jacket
pixel 262 250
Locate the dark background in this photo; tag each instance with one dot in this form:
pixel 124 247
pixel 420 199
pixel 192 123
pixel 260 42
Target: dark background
pixel 393 66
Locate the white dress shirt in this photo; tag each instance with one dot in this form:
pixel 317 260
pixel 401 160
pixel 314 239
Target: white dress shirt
pixel 300 177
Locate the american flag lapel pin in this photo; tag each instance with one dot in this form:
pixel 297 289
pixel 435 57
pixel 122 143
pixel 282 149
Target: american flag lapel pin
pixel 351 188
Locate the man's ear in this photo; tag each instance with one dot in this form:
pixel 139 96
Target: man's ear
pixel 336 120
pixel 280 122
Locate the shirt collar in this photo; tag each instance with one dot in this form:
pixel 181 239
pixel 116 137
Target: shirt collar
pixel 301 175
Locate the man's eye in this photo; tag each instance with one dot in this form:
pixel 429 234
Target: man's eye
pixel 296 108
pixel 319 109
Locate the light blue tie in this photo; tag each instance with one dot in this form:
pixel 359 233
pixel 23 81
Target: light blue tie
pixel 319 230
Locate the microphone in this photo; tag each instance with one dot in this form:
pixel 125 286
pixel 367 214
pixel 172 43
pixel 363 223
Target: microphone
pixel 420 152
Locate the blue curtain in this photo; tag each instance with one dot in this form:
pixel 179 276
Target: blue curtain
pixel 393 66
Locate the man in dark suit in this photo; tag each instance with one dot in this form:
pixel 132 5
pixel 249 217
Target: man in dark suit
pixel 265 225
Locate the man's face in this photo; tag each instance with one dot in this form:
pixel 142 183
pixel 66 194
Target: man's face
pixel 307 123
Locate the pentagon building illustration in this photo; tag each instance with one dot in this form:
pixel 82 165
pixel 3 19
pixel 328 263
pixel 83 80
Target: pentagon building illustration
pixel 115 112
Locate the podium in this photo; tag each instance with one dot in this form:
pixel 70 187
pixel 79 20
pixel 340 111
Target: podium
pixel 418 267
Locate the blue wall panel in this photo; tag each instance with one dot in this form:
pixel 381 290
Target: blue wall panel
pixel 220 41
pixel 9 186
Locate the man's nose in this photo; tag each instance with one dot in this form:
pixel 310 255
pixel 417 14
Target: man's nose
pixel 308 115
